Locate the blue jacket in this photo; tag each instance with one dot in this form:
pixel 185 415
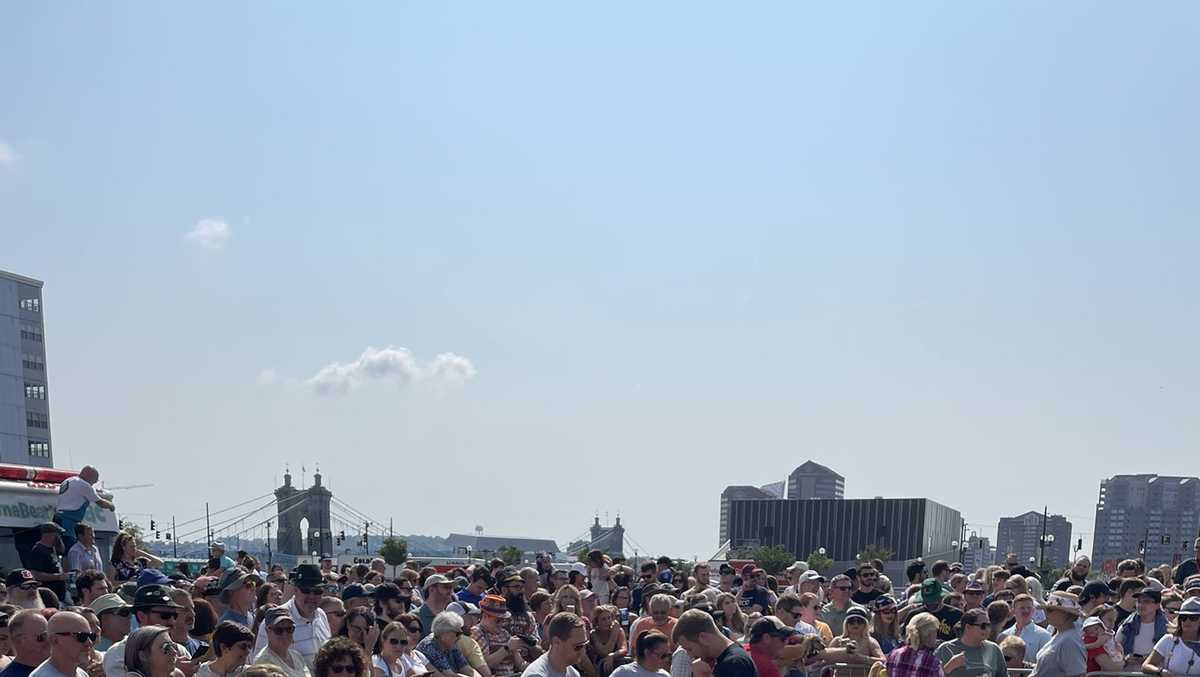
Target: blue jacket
pixel 1133 624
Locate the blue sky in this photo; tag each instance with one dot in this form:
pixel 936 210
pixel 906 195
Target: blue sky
pixel 679 245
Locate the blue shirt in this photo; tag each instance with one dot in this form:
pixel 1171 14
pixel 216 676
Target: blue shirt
pixel 450 660
pixel 469 597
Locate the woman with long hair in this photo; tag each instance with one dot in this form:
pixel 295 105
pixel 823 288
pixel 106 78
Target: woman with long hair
pixel 413 661
pixel 606 647
pixel 339 657
pixel 916 658
pixel 361 629
pixel 149 652
pixel 854 633
pixel 885 624
pixel 1178 651
pixel 393 641
pixel 127 559
pixel 734 619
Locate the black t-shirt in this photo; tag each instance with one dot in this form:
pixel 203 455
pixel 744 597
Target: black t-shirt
pixel 16 669
pixel 43 558
pixel 1122 614
pixel 734 662
pixel 757 596
pixel 948 617
pixel 865 598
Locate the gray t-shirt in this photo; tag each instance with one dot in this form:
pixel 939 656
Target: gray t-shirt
pixel 540 667
pixel 48 670
pixel 635 670
pixel 985 660
pixel 1063 656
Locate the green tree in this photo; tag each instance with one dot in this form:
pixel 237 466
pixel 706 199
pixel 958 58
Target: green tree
pixel 135 530
pixel 510 554
pixel 818 562
pixel 873 551
pixel 394 551
pixel 773 558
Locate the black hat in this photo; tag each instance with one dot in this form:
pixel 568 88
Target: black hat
pixel 307 576
pixel 388 591
pixel 1093 590
pixel 769 625
pixel 354 590
pixel 153 595
pixel 18 576
pixel 51 528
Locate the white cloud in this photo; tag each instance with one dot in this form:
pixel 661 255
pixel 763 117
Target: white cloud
pixel 8 156
pixel 209 233
pixel 392 363
pixel 267 377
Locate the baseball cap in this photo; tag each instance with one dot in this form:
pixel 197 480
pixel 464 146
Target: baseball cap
pixel 236 577
pixel 769 625
pixel 1153 595
pixel 811 576
pixel 109 602
pixel 18 576
pixel 1192 583
pixel 152 577
pixel 932 591
pixel 974 586
pixel 438 579
pixel 388 591
pixel 1092 621
pixel 1093 590
pixel 354 590
pixel 858 612
pixel 51 527
pixel 276 615
pixel 1190 607
pixel 153 595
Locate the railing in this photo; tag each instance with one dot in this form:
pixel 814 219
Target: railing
pixel 848 670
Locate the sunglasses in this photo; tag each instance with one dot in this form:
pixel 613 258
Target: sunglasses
pixel 81 637
pixel 166 615
pixel 286 630
pixel 312 591
pixel 396 641
pixel 415 629
pixel 1171 609
pixel 347 668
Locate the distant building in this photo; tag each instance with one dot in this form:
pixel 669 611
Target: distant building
pixel 909 527
pixel 813 480
pixel 1134 509
pixel 978 552
pixel 741 492
pixel 1023 535
pixel 24 393
pixel 776 489
pixel 488 546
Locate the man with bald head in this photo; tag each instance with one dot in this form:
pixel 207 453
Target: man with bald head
pixel 71 642
pixel 75 496
pixel 27 631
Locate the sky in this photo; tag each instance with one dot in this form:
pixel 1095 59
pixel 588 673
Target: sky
pixel 516 264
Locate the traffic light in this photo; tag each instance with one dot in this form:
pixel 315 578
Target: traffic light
pixel 1079 543
pixel 152 527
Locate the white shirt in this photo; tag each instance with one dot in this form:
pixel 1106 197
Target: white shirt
pixel 298 668
pixel 1179 657
pixel 1034 637
pixel 1143 642
pixel 309 636
pixel 74 492
pixel 81 558
pixel 48 670
pixel 541 667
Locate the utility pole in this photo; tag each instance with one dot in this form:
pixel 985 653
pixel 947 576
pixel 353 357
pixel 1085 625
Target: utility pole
pixel 208 526
pixel 269 545
pixel 174 539
pixel 962 542
pixel 1042 553
pixel 391 534
pixel 1146 548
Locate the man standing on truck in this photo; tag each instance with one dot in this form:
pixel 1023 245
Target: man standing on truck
pixel 75 496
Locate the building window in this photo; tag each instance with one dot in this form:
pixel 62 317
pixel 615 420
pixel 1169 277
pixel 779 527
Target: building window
pixel 31 333
pixel 39 449
pixel 36 420
pixel 32 305
pixel 34 391
pixel 33 362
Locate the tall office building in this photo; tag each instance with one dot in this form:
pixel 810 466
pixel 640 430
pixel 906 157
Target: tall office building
pixel 740 492
pixel 1151 512
pixel 1023 535
pixel 24 407
pixel 978 552
pixel 813 480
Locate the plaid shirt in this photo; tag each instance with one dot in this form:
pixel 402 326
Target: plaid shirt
pixel 909 662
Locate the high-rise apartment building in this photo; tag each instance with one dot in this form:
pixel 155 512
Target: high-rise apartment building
pixel 740 492
pixel 978 552
pixel 1154 513
pixel 24 403
pixel 1023 535
pixel 813 480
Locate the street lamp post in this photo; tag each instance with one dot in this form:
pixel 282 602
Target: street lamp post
pixel 1047 539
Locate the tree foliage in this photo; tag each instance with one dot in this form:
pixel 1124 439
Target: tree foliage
pixel 772 558
pixel 818 562
pixel 394 551
pixel 873 551
pixel 510 554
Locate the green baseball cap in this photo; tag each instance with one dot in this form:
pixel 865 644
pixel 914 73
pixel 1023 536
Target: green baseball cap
pixel 932 591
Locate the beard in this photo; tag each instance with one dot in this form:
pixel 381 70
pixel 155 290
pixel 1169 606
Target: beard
pixel 516 603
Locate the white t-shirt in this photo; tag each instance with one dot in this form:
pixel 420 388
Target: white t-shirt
pixel 387 669
pixel 48 670
pixel 1143 642
pixel 540 667
pixel 74 492
pixel 1180 659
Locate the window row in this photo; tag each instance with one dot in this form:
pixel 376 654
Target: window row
pixel 31 333
pixel 32 305
pixel 39 449
pixel 34 362
pixel 36 420
pixel 34 391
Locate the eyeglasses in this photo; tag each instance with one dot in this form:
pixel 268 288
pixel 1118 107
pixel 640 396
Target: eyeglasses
pixel 166 615
pixel 285 630
pixel 347 668
pixel 312 591
pixel 81 637
pixel 415 629
pixel 841 587
pixel 1171 609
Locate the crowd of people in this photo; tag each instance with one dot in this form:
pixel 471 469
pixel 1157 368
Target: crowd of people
pixel 75 613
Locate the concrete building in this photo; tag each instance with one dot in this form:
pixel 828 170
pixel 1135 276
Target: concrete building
pixel 739 492
pixel 24 395
pixel 909 527
pixel 978 552
pixel 813 480
pixel 1023 534
pixel 776 489
pixel 1154 512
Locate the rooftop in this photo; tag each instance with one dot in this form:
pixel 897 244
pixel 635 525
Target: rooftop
pixel 20 278
pixel 813 466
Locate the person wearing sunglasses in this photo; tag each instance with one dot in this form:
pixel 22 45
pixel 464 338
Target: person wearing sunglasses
pixel 312 626
pixel 440 646
pixel 30 642
pixel 152 605
pixel 340 658
pixel 280 629
pixel 653 653
pixel 392 645
pixel 834 613
pixel 231 643
pixel 150 652
pixel 972 653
